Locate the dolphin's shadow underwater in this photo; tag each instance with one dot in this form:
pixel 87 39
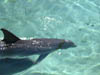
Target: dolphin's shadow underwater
pixel 11 66
pixel 15 51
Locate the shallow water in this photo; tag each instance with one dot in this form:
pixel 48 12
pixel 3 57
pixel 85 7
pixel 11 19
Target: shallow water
pixel 76 20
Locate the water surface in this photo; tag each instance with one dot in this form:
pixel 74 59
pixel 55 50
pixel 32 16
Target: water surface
pixel 76 20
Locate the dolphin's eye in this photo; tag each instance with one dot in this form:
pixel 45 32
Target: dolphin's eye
pixel 60 45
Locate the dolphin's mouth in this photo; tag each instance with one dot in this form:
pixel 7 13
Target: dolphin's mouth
pixel 70 43
pixel 66 44
pixel 74 45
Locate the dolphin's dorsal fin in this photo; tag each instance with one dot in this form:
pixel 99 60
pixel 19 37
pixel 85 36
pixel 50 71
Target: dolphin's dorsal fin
pixel 9 37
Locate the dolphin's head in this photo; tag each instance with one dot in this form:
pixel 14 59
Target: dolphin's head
pixel 66 44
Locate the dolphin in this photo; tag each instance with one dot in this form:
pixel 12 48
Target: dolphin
pixel 13 47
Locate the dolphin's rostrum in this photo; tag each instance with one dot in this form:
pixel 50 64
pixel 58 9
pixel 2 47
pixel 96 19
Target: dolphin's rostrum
pixel 13 47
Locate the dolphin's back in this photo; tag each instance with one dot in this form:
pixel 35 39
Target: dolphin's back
pixel 29 47
pixel 38 45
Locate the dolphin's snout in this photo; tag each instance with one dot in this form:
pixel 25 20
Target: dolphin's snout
pixel 67 44
pixel 70 43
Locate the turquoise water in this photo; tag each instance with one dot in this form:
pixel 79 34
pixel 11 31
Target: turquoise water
pixel 76 20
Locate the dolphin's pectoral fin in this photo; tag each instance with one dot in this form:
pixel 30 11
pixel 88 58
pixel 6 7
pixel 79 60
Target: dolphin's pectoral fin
pixel 9 37
pixel 41 57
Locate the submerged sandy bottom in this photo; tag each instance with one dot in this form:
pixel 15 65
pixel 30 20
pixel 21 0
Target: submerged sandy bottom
pixel 76 20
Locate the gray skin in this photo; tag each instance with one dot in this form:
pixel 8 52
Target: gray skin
pixel 13 47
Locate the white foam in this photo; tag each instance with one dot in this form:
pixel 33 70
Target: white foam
pixel 23 38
